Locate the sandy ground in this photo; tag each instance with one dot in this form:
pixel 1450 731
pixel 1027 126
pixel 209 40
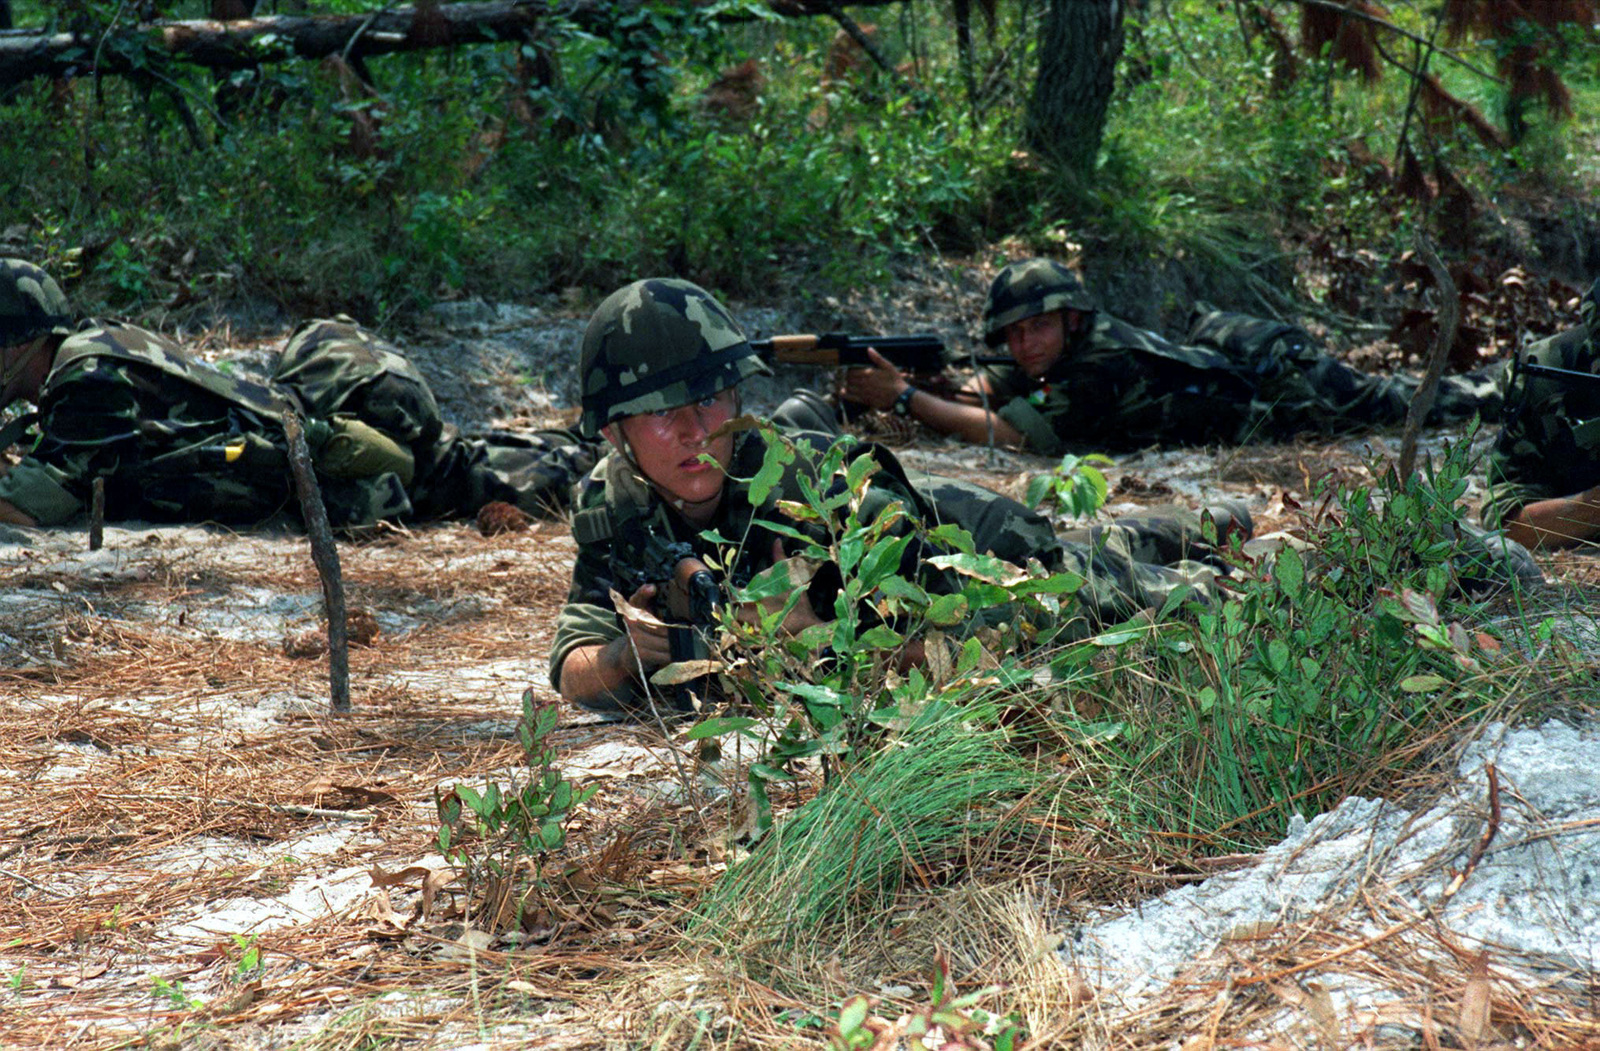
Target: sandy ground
pixel 195 852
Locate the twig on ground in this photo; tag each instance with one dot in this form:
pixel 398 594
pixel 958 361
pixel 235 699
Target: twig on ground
pixel 97 513
pixel 326 555
pixel 1449 318
pixel 291 809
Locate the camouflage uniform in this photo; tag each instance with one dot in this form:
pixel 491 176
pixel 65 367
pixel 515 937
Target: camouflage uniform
pixel 657 345
pixel 615 513
pixel 1549 447
pixel 1238 378
pixel 341 372
pixel 177 440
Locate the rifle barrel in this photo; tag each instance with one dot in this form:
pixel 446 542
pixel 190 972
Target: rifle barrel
pixel 1536 369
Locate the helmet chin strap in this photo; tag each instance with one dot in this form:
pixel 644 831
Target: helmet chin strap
pixel 619 442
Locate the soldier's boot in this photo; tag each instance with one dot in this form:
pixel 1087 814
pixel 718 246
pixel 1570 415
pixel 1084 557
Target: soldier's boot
pixel 1487 560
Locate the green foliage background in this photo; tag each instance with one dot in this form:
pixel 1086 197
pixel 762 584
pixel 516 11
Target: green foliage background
pixel 624 171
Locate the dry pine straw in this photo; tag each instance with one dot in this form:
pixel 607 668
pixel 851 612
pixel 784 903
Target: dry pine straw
pixel 84 890
pixel 121 751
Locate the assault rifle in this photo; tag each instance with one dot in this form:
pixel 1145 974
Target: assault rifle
pixel 687 594
pixel 1587 382
pixel 1565 375
pixel 921 353
pixel 685 588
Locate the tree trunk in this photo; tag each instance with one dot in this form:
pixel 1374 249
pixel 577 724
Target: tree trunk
pixel 964 56
pixel 250 42
pixel 1078 52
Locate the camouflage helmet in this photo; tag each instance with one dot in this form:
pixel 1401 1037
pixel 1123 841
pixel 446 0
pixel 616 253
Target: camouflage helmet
pixel 31 304
pixel 658 344
pixel 1028 289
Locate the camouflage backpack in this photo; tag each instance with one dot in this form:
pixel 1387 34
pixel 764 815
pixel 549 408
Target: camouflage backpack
pixel 658 344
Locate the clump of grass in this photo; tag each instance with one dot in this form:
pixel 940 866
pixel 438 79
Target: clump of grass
pixel 912 811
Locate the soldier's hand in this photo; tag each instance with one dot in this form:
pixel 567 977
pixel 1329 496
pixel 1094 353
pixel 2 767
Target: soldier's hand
pixel 876 385
pixel 799 619
pixel 647 635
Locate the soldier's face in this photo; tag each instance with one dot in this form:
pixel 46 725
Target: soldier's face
pixel 667 447
pixel 1036 343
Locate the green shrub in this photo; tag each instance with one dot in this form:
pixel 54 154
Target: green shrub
pixel 1323 673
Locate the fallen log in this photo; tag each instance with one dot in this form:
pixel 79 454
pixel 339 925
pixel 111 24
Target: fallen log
pixel 250 42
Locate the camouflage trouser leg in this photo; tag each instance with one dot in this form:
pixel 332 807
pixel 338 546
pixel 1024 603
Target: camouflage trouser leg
pixel 1342 395
pixel 999 525
pixel 1137 563
pixel 1168 536
pixel 535 472
pixel 1300 387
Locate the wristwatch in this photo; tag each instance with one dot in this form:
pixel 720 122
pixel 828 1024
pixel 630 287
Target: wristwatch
pixel 902 401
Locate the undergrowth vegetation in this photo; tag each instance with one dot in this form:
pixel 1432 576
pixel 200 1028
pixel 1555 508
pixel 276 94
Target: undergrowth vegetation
pixel 1344 661
pixel 642 146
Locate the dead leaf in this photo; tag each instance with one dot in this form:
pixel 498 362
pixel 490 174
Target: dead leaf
pixel 684 671
pixel 1319 1005
pixel 237 1002
pixel 386 922
pixel 72 981
pixel 389 879
pixel 1243 932
pixel 471 942
pixel 517 985
pixel 1473 1021
pixel 632 612
pixel 437 879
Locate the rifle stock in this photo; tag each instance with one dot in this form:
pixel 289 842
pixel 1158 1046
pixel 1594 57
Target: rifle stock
pixel 921 352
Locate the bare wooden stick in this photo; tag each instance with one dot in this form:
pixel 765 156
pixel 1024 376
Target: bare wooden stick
pixel 1443 339
pixel 326 556
pixel 97 513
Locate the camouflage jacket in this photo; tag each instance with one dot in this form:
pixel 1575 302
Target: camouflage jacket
pixel 1549 446
pixel 1237 379
pixel 615 511
pixel 1120 386
pixel 1117 561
